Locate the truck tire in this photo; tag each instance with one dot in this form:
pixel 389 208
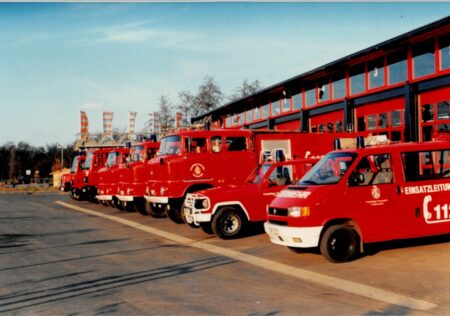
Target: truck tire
pixel 154 210
pixel 117 204
pixel 173 211
pixel 228 223
pixel 128 206
pixel 187 219
pixel 139 206
pixel 339 243
pixel 206 228
pixel 73 194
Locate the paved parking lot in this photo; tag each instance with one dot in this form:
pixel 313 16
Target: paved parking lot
pixel 58 256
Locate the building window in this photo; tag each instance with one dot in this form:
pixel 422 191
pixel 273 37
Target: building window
pixel 286 105
pixel 324 90
pixel 444 52
pixel 297 101
pixel 339 90
pixel 383 120
pixel 396 118
pixel 275 107
pixel 265 111
pixel 257 113
pixel 443 110
pixel 371 122
pixel 228 121
pixel 310 97
pixel 423 59
pixel 397 70
pixel 248 116
pixel 376 73
pixel 357 79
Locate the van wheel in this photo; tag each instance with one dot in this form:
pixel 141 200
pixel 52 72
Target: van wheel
pixel 187 218
pixel 156 211
pixel 228 223
pixel 173 211
pixel 339 243
pixel 206 228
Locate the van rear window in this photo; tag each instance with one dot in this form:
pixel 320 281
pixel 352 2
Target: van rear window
pixel 425 165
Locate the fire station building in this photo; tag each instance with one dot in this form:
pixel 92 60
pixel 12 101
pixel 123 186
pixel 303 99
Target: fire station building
pixel 399 88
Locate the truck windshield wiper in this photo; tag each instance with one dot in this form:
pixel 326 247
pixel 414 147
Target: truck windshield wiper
pixel 308 182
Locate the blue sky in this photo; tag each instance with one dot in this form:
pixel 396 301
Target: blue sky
pixel 59 58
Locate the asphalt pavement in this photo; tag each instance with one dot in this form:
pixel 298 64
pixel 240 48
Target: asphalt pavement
pixel 78 258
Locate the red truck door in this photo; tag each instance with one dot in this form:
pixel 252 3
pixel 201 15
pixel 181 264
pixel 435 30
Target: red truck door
pixel 426 192
pixel 238 155
pixel 373 197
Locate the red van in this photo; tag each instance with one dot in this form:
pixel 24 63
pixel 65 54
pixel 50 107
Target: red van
pixel 358 196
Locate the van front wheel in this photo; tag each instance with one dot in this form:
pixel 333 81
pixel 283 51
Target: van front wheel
pixel 339 243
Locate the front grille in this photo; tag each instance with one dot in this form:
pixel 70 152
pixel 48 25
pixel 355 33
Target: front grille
pixel 280 223
pixel 278 211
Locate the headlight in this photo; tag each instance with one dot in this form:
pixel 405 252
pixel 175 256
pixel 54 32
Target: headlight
pixel 201 204
pixel 299 211
pixel 162 190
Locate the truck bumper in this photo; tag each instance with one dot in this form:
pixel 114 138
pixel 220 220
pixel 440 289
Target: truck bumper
pixel 157 199
pixel 125 198
pixel 104 197
pixel 298 237
pixel 201 217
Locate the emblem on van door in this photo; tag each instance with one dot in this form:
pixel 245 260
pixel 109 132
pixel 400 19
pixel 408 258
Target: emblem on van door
pixel 197 170
pixel 376 192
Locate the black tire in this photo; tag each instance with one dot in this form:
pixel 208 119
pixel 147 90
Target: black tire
pixel 111 203
pixel 73 194
pixel 117 204
pixel 206 228
pixel 173 211
pixel 128 206
pixel 156 211
pixel 228 223
pixel 339 243
pixel 189 220
pixel 139 206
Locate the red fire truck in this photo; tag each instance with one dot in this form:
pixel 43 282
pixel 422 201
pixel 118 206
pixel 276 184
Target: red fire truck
pixel 108 176
pixel 228 210
pixel 85 181
pixel 133 175
pixel 194 160
pixel 67 180
pixel 364 195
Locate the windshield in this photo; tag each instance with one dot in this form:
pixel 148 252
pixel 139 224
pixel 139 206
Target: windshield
pixel 258 174
pixel 74 164
pixel 111 161
pixel 329 169
pixel 170 145
pixel 137 153
pixel 88 161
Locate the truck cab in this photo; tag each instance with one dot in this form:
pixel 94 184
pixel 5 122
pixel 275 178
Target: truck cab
pixel 85 181
pixel 108 178
pixel 369 194
pixel 133 175
pixel 228 210
pixel 67 181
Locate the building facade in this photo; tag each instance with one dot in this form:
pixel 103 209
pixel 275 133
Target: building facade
pixel 399 88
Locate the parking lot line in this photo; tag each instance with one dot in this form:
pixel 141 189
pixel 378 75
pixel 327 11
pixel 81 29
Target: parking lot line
pixel 298 273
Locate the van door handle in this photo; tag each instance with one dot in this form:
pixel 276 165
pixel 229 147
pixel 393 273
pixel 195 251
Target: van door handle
pixel 399 190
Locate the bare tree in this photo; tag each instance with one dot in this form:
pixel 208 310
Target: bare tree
pixel 245 90
pixel 185 105
pixel 166 117
pixel 209 96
